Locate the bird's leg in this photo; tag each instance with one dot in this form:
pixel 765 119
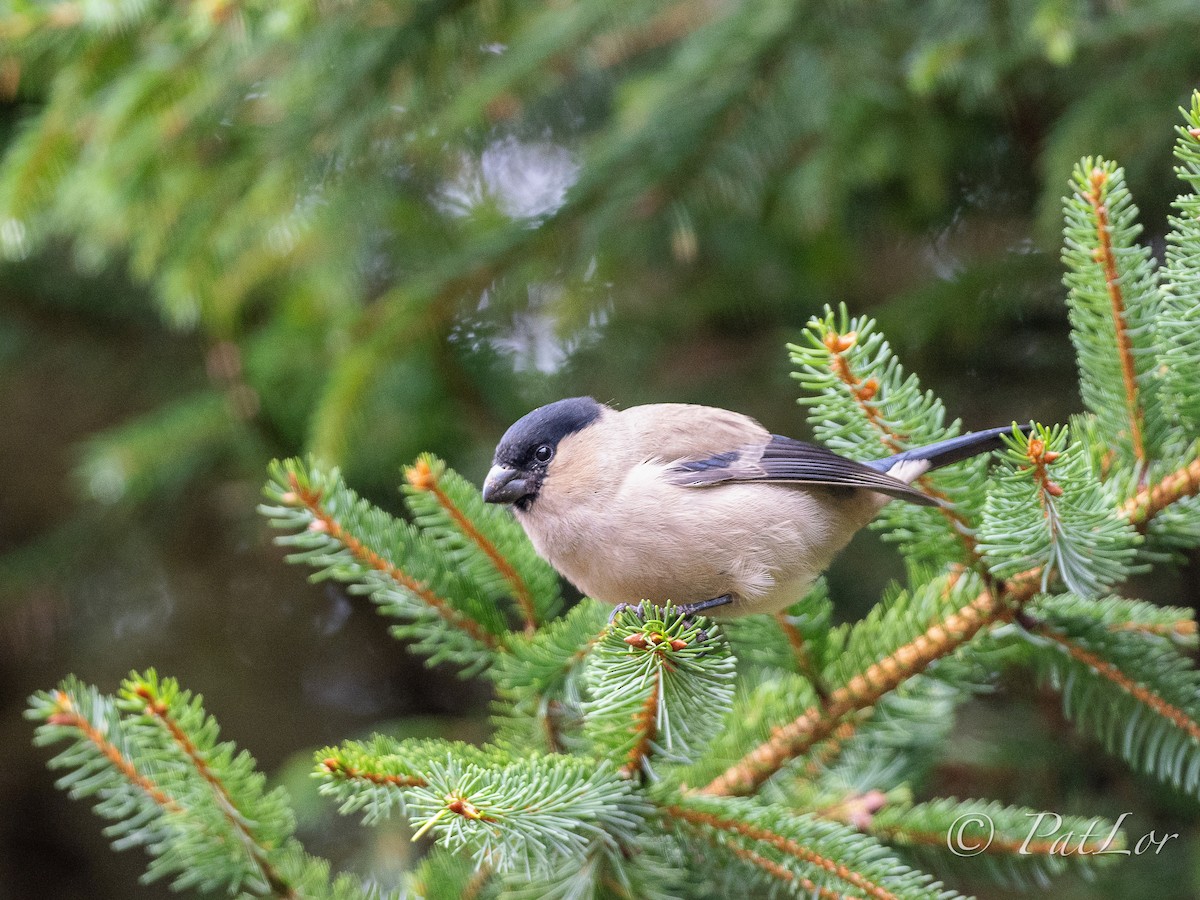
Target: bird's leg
pixel 690 609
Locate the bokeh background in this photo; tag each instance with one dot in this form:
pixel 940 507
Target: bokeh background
pixel 236 230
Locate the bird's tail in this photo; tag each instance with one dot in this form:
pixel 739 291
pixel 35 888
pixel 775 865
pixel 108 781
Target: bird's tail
pixel 912 464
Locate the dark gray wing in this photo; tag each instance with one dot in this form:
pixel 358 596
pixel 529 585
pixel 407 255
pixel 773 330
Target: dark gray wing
pixel 787 461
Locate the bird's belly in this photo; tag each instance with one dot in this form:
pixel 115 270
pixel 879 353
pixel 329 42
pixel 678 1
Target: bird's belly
pixel 762 544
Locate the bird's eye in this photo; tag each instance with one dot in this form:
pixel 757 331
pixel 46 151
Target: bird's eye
pixel 543 453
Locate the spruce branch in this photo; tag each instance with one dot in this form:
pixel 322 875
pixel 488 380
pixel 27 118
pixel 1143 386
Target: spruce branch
pixel 152 757
pixel 802 653
pixel 539 681
pixel 1114 302
pixel 1179 322
pixel 794 640
pixel 859 397
pixel 375 776
pixel 1142 507
pixel 660 683
pixel 326 523
pixel 401 568
pixel 826 854
pixel 992 605
pixel 96 720
pixel 1014 845
pixel 259 822
pixel 482 537
pixel 1046 509
pixel 1096 196
pixel 530 815
pixel 1135 691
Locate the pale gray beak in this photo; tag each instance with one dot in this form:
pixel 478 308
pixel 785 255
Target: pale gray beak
pixel 505 485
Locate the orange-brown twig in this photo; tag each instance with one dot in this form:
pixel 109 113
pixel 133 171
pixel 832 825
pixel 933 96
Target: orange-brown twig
pixel 775 870
pixel 804 662
pixel 1107 670
pixel 158 709
pixel 783 844
pixel 645 724
pixel 1153 499
pixel 1107 259
pixel 69 716
pixel 422 477
pixel 337 767
pixel 364 554
pixel 1179 629
pixel 863 392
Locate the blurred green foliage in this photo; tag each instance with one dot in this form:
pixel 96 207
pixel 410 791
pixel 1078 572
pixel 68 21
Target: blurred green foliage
pixel 397 225
pixel 231 230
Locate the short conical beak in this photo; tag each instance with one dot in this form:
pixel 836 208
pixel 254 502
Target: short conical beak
pixel 505 485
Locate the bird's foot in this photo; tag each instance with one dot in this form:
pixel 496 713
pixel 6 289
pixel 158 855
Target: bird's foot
pixel 690 609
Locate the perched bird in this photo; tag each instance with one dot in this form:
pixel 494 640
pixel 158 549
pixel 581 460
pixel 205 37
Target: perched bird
pixel 697 505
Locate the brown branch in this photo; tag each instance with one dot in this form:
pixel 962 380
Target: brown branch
pixel 804 662
pixel 325 522
pixel 158 709
pixel 863 690
pixel 826 752
pixel 478 882
pixel 645 724
pixel 863 392
pixel 1107 259
pixel 996 604
pixel 1182 628
pixel 1112 673
pixel 422 477
pixel 783 844
pixel 335 766
pixel 1150 501
pixel 775 870
pixel 69 716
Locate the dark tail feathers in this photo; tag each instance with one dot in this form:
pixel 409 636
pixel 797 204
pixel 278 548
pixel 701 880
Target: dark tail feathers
pixel 951 450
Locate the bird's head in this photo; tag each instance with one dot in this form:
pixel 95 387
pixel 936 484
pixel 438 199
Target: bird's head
pixel 527 451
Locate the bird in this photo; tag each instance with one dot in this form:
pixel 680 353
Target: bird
pixel 696 505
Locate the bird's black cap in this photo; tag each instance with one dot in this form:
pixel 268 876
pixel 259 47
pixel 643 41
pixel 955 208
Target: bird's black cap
pixel 547 424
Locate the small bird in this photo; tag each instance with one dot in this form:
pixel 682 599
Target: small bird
pixel 696 505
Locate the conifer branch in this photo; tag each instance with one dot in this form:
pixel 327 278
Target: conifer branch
pixel 1153 499
pixel 324 521
pixel 818 722
pixel 1112 673
pixel 825 753
pixel 781 843
pixel 1179 629
pixel 67 715
pixel 1097 179
pixel 989 607
pixel 863 392
pixel 342 769
pixel 157 708
pixel 645 729
pixel 778 872
pixel 424 477
pixel 804 661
